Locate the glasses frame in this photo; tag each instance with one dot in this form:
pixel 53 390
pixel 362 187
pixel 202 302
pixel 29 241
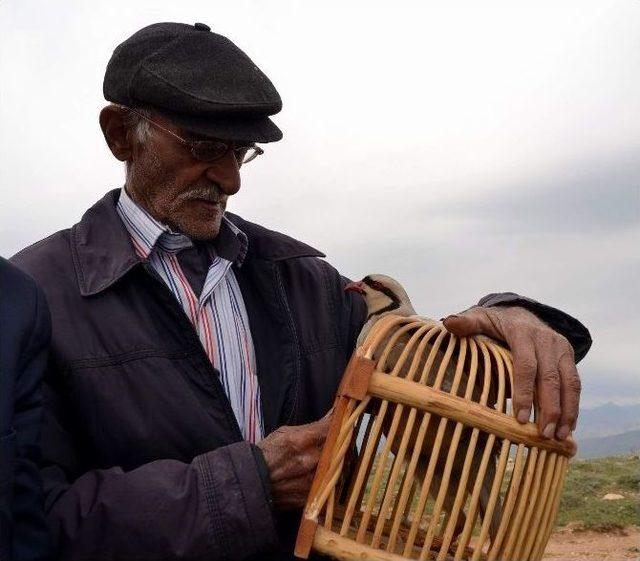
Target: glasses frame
pixel 192 145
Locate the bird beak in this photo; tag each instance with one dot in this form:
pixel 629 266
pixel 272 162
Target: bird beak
pixel 355 287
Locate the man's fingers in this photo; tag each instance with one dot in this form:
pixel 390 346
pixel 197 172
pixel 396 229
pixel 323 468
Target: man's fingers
pixel 569 395
pixel 472 322
pixel 548 388
pixel 525 366
pixel 292 493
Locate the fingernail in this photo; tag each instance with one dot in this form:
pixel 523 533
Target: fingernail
pixel 563 432
pixel 549 430
pixel 523 416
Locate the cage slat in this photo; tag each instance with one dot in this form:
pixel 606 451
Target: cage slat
pixel 444 484
pixel 510 501
pixel 397 465
pixel 493 498
pixel 399 453
pixel 545 496
pixel 556 504
pixel 523 499
pixel 534 493
pixel 453 447
pixel 379 474
pixel 365 467
pixel 548 509
pixel 460 495
pixel 332 473
pixel 409 486
pixel 359 461
pixel 426 484
pixel 429 472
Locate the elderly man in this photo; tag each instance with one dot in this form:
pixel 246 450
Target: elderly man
pixel 195 353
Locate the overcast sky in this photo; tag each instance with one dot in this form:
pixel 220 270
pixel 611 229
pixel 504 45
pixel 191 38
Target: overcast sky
pixel 461 147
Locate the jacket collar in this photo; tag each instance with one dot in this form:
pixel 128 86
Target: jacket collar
pixel 103 252
pixel 269 244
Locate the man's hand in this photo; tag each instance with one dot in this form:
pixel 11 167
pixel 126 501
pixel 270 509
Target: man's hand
pixel 543 362
pixel 292 454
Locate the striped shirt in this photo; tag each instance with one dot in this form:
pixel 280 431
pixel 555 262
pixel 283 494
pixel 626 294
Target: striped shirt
pixel 218 315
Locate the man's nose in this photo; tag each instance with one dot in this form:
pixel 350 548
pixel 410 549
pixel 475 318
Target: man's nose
pixel 226 173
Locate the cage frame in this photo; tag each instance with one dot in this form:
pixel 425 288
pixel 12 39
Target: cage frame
pixel 536 481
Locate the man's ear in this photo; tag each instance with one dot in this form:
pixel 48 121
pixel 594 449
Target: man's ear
pixel 112 123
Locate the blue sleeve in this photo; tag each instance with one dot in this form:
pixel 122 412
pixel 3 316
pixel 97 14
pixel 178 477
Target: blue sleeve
pixel 30 534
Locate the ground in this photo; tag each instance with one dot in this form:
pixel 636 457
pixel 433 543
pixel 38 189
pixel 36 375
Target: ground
pixel 570 544
pixel 591 528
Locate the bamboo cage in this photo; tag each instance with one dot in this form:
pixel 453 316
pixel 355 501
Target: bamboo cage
pixel 422 428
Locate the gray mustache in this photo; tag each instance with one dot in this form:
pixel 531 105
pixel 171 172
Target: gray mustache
pixel 212 194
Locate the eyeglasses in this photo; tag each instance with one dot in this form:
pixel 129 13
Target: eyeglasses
pixel 211 150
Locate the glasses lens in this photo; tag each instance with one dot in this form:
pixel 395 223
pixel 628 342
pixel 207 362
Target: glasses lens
pixel 208 150
pixel 245 154
pixel 241 153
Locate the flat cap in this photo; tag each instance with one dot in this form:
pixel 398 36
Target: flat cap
pixel 198 79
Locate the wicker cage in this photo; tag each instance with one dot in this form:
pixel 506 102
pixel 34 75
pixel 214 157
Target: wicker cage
pixel 422 429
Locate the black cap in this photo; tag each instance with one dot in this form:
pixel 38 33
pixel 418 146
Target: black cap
pixel 198 79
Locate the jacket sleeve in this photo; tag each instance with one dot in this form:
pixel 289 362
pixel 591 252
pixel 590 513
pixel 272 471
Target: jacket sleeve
pixel 576 333
pixel 30 535
pixel 215 507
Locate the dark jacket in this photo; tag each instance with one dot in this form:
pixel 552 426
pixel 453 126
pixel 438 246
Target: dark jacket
pixel 144 456
pixel 24 342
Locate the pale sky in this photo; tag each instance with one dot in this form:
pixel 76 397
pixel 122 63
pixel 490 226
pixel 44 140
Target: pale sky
pixel 462 147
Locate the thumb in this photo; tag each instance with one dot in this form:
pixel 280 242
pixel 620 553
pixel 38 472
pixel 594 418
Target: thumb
pixel 469 322
pixel 322 427
pixel 324 422
pixel 328 415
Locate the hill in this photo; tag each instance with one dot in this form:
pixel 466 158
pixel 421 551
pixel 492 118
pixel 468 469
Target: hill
pixel 608 419
pixel 600 447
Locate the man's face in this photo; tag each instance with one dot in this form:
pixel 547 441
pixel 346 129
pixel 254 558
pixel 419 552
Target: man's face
pixel 187 194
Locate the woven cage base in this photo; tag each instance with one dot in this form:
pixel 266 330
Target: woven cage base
pixel 424 459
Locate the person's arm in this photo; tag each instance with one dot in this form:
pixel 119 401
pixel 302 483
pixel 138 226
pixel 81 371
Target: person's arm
pixel 215 507
pixel 30 535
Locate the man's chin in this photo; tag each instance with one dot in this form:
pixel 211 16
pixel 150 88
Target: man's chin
pixel 202 225
pixel 203 232
pixel 200 230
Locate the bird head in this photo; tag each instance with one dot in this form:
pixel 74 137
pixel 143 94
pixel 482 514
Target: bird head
pixel 383 296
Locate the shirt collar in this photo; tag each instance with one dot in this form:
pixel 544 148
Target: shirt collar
pixel 147 233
